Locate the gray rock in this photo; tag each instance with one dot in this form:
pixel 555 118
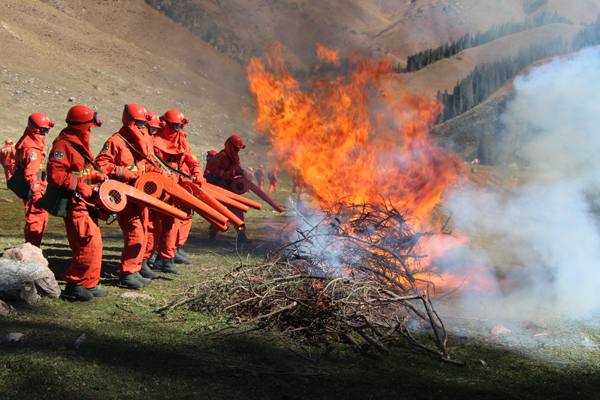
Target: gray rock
pixel 11 337
pixel 26 253
pixel 23 280
pixel 6 310
pixel 132 295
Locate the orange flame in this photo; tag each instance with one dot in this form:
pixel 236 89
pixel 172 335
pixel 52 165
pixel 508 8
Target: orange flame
pixel 361 137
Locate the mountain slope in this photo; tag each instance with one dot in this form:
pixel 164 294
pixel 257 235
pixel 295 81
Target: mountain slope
pixel 107 54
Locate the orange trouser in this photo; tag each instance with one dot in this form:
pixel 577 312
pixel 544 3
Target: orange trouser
pixel 133 221
pixel 272 186
pixel 9 170
pixel 86 243
pixel 261 183
pixel 184 231
pixel 168 237
pixel 238 213
pixel 154 231
pixel 36 220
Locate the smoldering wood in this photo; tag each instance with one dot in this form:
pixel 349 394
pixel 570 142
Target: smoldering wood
pixel 350 276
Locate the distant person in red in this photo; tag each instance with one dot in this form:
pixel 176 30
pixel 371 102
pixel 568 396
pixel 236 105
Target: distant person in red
pixel 297 183
pixel 171 147
pixel 222 169
pixel 68 169
pixel 31 159
pixel 273 180
pixel 260 177
pixel 250 174
pixel 124 157
pixel 7 159
pixel 209 155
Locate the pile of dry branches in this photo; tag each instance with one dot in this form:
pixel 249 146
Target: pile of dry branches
pixel 350 275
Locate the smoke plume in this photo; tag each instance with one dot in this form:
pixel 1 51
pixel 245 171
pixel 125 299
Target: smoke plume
pixel 546 238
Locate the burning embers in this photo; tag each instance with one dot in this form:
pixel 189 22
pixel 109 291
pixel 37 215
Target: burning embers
pixel 360 136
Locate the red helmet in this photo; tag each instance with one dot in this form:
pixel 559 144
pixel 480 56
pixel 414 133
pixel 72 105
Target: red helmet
pixel 211 153
pixel 135 112
pixel 154 121
pixel 82 118
pixel 175 119
pixel 236 142
pixel 40 121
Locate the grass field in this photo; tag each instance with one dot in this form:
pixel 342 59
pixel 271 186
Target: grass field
pixel 131 352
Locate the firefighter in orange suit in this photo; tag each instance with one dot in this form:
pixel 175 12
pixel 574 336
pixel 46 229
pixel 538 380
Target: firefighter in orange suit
pixel 7 159
pixel 125 156
pixel 171 147
pixel 260 177
pixel 273 180
pixel 222 169
pixel 68 169
pixel 154 225
pixel 30 157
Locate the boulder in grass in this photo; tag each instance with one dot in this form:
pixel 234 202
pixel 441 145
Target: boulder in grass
pixel 25 280
pixel 27 253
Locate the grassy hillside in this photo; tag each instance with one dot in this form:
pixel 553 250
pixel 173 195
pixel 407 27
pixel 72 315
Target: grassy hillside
pixel 107 54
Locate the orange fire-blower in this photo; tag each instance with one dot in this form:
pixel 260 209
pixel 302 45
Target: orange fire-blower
pixel 188 195
pixel 113 196
pixel 241 185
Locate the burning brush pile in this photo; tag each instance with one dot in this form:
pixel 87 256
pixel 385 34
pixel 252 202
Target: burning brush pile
pixel 355 275
pixel 356 270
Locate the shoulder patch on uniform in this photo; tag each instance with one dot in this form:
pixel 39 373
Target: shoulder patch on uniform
pixel 59 155
pixel 105 149
pixel 218 157
pixel 32 156
pixel 194 157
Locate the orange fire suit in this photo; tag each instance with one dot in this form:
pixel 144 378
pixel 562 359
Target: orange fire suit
pixel 7 159
pixel 173 148
pixel 120 162
pixel 154 232
pixel 67 169
pixel 273 181
pixel 30 157
pixel 224 167
pixel 260 177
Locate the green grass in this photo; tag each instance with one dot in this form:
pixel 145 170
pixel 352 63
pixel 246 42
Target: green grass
pixel 132 353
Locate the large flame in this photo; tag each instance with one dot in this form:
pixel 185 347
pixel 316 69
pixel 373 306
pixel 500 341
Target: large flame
pixel 360 136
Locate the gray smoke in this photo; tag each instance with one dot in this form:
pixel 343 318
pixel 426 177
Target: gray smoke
pixel 545 238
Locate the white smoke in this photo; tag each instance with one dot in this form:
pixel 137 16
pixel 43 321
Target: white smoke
pixel 547 231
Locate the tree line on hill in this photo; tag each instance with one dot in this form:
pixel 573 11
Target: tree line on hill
pixel 487 78
pixel 420 60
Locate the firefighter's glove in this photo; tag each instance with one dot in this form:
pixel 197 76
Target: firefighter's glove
pixel 125 174
pixel 98 177
pixel 198 180
pixel 84 189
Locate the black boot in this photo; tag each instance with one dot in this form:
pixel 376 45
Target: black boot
pixel 79 292
pixel 147 272
pixel 243 239
pixel 97 292
pixel 131 281
pixel 212 237
pixel 140 278
pixel 180 259
pixel 168 267
pixel 183 253
pixel 152 263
